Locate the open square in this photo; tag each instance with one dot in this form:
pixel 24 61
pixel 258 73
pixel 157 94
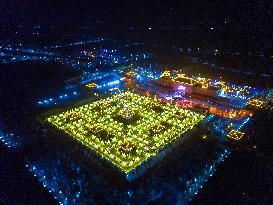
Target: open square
pixel 126 129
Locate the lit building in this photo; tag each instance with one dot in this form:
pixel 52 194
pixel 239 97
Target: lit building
pixel 188 85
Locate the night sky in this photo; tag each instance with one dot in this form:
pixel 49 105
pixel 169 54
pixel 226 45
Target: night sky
pixel 244 15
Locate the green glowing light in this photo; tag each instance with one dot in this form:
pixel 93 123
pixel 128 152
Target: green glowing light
pixel 127 128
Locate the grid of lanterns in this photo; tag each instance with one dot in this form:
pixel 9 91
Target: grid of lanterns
pixel 128 144
pixel 236 134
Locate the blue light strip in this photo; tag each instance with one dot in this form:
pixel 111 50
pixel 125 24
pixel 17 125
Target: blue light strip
pixel 10 140
pixel 243 123
pixel 194 185
pixel 56 100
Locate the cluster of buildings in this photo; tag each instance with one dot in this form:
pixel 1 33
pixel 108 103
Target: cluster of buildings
pixel 188 85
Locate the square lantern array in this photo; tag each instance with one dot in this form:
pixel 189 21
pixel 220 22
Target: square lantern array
pixel 235 134
pixel 126 129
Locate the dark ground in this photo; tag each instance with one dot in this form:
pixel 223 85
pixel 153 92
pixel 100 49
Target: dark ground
pixel 246 177
pixel 17 185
